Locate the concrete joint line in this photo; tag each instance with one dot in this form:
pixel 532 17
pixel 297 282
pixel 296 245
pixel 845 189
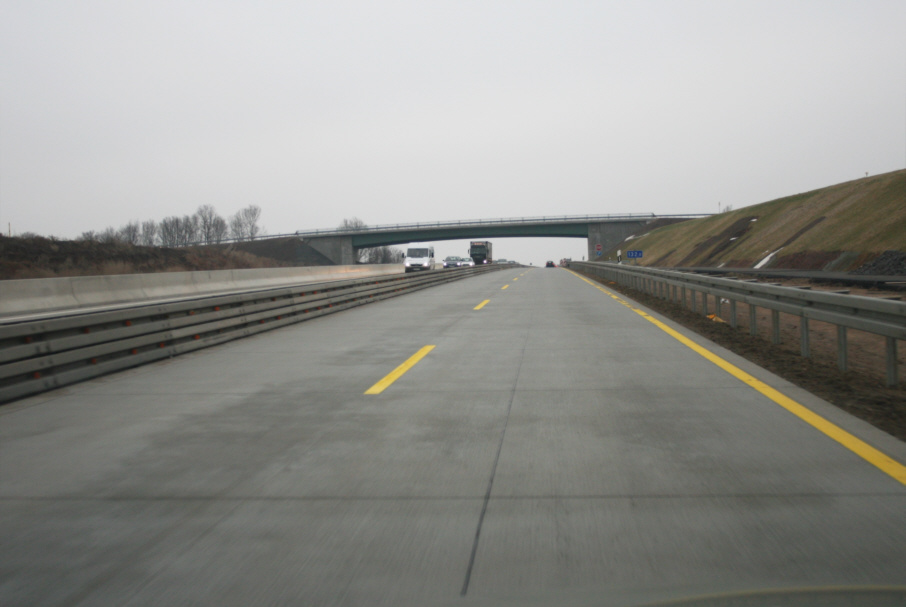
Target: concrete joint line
pixel 487 495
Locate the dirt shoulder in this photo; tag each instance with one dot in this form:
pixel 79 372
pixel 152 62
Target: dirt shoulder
pixel 859 391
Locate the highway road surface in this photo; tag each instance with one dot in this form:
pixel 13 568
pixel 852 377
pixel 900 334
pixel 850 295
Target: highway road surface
pixel 523 436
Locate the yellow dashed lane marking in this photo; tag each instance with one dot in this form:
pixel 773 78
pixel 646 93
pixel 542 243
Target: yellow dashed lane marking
pixel 482 304
pixel 878 459
pixel 399 371
pixel 505 287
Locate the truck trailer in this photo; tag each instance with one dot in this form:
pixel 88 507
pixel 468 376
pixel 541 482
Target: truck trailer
pixel 480 252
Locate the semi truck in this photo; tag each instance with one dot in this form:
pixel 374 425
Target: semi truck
pixel 480 252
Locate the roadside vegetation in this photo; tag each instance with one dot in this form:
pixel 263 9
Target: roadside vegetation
pixel 839 228
pixel 202 241
pixel 203 227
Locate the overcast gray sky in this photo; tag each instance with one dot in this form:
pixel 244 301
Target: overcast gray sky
pixel 424 111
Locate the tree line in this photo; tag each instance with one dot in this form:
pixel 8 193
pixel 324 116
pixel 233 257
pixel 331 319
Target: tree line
pixel 205 226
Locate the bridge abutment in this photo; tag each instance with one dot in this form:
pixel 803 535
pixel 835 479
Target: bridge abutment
pixel 338 249
pixel 609 235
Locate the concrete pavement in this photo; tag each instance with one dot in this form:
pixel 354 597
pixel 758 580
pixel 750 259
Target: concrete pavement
pixel 554 444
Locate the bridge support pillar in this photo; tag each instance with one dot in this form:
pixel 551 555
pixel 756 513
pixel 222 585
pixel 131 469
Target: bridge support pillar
pixel 337 249
pixel 609 235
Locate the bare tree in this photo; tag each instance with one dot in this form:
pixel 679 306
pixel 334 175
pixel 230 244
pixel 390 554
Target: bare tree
pixel 384 254
pixel 109 235
pixel 352 223
pixel 188 231
pixel 244 224
pixel 207 223
pixel 130 233
pixel 204 226
pixel 237 227
pixel 149 233
pixel 219 230
pixel 169 231
pixel 250 216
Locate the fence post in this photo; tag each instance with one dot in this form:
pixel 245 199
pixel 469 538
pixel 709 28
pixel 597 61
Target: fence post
pixel 803 337
pixel 842 361
pixel 775 327
pixel 891 362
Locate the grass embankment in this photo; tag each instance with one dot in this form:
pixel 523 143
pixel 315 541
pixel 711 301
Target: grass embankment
pixel 39 257
pixel 836 228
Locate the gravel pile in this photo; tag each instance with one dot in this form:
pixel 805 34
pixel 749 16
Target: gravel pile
pixel 890 263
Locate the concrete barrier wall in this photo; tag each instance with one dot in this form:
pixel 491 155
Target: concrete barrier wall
pixel 38 295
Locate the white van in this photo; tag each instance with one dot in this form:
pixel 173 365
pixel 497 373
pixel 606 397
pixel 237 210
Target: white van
pixel 419 257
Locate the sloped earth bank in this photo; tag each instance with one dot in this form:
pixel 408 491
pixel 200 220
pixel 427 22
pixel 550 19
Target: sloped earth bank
pixel 39 257
pixel 860 391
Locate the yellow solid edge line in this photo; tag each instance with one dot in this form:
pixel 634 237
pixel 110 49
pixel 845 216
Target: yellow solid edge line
pixel 504 287
pixel 482 304
pixel 399 371
pixel 876 458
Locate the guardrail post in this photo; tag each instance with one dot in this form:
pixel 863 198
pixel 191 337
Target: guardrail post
pixel 891 362
pixel 842 361
pixel 803 337
pixel 874 316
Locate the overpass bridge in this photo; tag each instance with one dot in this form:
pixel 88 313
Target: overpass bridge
pixel 340 244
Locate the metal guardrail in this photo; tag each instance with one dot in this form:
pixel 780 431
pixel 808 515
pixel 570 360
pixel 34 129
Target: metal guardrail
pixel 40 355
pixel 868 280
pixel 873 315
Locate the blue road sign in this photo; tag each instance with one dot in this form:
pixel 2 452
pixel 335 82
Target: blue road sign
pixel 633 254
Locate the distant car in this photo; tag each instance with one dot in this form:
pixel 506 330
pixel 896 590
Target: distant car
pixel 467 262
pixel 452 262
pixel 550 264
